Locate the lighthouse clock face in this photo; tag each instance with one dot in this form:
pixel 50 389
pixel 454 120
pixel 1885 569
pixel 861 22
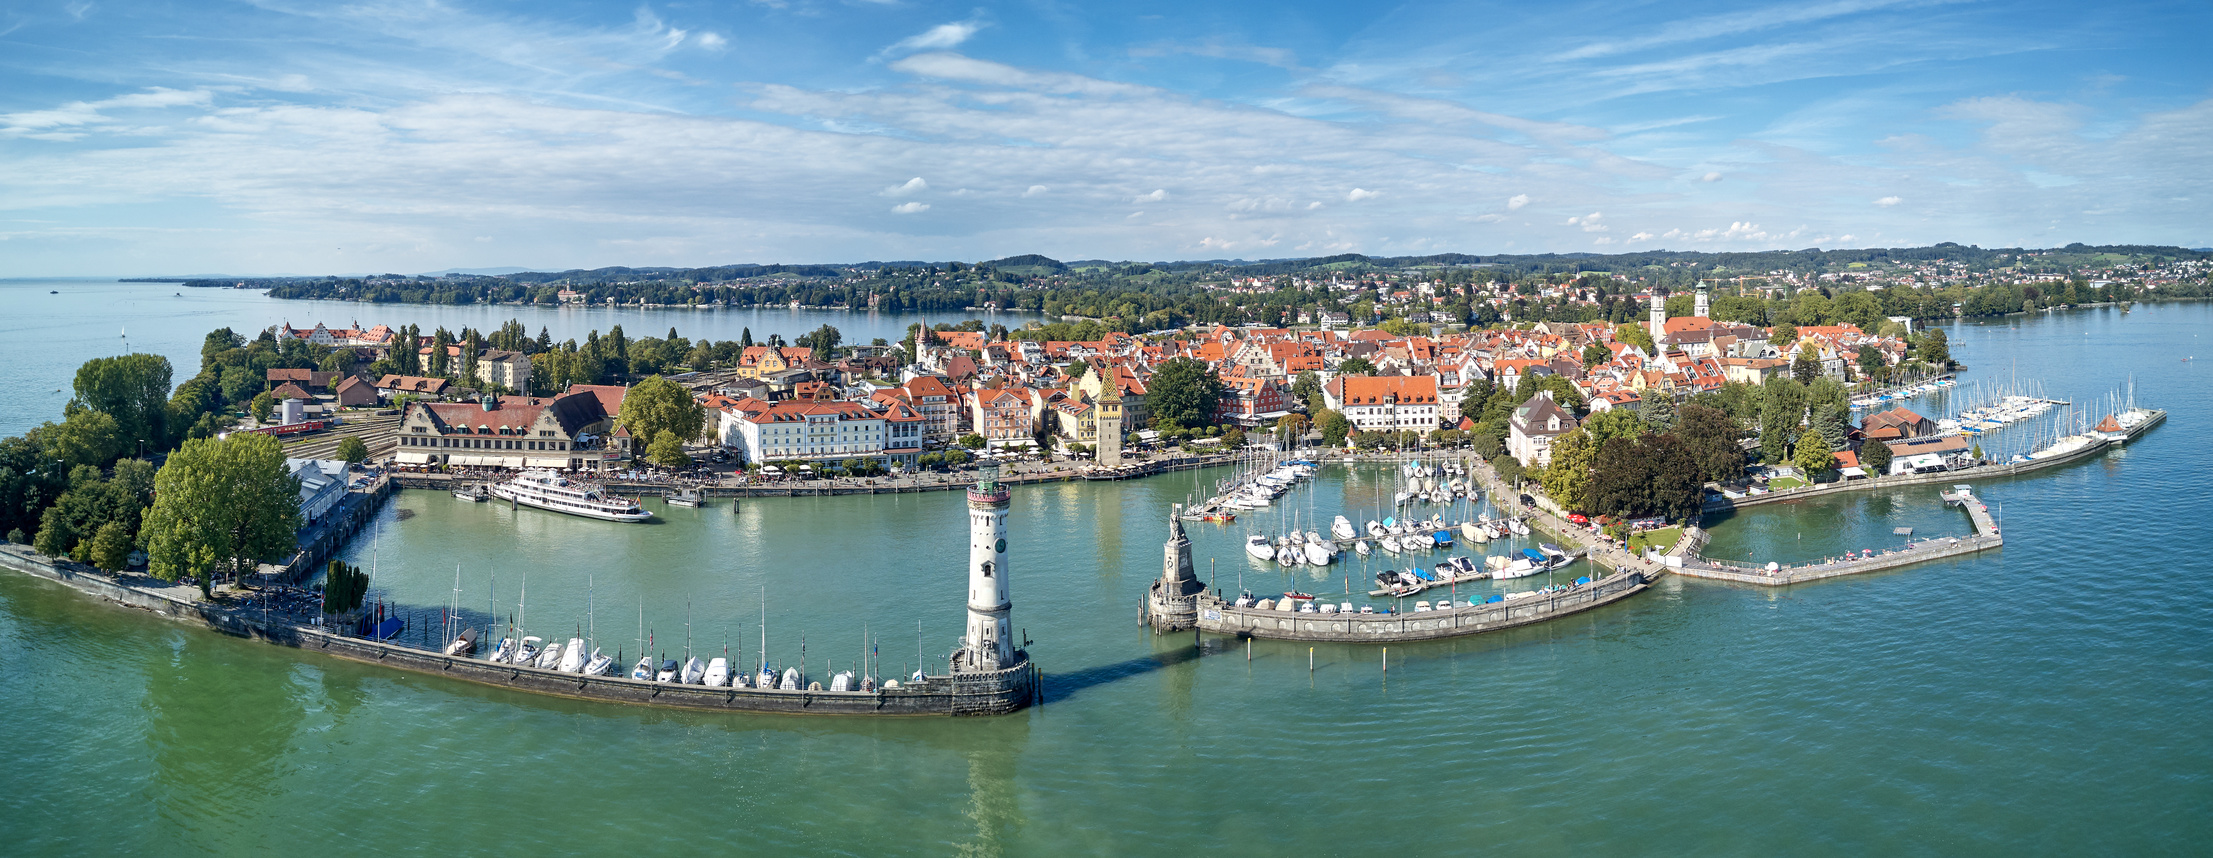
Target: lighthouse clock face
pixel 1000 546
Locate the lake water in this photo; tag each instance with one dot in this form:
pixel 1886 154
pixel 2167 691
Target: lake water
pixel 2051 697
pixel 50 327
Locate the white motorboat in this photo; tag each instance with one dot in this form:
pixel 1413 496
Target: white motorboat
pixel 505 651
pixel 1403 497
pixel 1315 538
pixel 684 499
pixel 599 664
pixel 1317 555
pixel 767 678
pixel 644 670
pixel 527 654
pixel 1259 547
pixel 718 673
pixel 549 659
pixel 1397 528
pixel 1361 548
pixel 1390 543
pixel 1342 528
pixel 573 657
pixel 843 681
pixel 668 671
pixel 1518 568
pixel 1474 533
pixel 551 491
pixel 1516 525
pixel 1375 528
pixel 790 682
pixel 694 671
pixel 1290 554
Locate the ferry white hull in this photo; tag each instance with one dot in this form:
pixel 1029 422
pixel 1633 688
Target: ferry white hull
pixel 504 493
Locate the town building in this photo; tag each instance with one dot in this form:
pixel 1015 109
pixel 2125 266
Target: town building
pixel 574 431
pixel 1533 427
pixel 1386 403
pixel 322 485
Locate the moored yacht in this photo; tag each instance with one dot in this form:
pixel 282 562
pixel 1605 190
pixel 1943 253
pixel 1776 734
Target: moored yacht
pixel 550 491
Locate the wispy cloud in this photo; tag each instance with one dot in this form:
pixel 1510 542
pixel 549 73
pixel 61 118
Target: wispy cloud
pixel 939 38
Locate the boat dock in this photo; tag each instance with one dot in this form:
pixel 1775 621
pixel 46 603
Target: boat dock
pixel 1985 538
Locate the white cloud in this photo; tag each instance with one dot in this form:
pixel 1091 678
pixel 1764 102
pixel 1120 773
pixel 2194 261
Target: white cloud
pixel 1035 190
pixel 1887 202
pixel 1589 222
pixel 1602 240
pixel 712 41
pixel 910 208
pixel 1157 195
pixel 1515 202
pixel 912 186
pixel 938 38
pixel 66 121
pixel 1314 205
pixel 1710 177
pixel 1642 236
pixel 1359 194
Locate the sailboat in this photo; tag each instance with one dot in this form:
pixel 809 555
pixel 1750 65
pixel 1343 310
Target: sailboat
pixel 598 665
pixel 573 657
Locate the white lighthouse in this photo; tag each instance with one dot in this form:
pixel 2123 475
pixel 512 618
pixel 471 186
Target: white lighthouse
pixel 989 644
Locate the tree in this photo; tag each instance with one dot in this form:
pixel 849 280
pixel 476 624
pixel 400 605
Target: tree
pixel 1233 439
pixel 1875 457
pixel 1619 478
pixel 1710 439
pixel 1569 472
pixel 1595 354
pixel 1183 392
pixel 1804 368
pixel 1936 348
pixel 1635 335
pixel 220 504
pixel 667 450
pixel 217 342
pixel 263 405
pixel 1782 335
pixel 1677 489
pixel 823 340
pixel 84 437
pixel 344 585
pixel 1306 387
pixel 658 405
pixel 339 363
pixel 1509 469
pixel 352 449
pixel 111 547
pixel 1871 362
pixel 1333 426
pixel 1610 424
pixel 1356 366
pixel 132 388
pixel 973 441
pixel 1813 456
pixel 1290 429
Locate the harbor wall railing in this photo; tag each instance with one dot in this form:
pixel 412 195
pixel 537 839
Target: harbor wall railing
pixel 1980 472
pixel 1220 617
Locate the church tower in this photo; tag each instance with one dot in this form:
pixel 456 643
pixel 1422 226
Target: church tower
pixel 1173 605
pixel 989 645
pixel 1107 423
pixel 1659 317
pixel 1703 307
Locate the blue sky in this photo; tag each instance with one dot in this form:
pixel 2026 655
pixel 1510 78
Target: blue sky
pixel 287 136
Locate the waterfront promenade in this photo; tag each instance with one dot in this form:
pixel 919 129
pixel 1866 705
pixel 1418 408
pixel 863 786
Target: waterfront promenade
pixel 1985 538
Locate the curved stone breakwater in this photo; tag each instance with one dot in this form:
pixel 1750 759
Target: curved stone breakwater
pixel 1220 617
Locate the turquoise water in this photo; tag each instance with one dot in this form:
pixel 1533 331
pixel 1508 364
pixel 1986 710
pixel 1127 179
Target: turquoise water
pixel 2047 698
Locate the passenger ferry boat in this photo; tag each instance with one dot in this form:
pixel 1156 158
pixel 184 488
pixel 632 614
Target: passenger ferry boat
pixel 551 491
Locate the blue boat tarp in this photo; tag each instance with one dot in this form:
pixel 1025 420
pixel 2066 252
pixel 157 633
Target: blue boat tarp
pixel 1535 556
pixel 388 629
pixel 1494 599
pixel 1441 538
pixel 1389 521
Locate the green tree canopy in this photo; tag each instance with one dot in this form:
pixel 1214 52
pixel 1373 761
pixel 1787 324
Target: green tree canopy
pixel 1875 457
pixel 220 505
pixel 1805 368
pixel 353 450
pixel 132 388
pixel 1710 439
pixel 658 405
pixel 1306 387
pixel 1333 427
pixel 1183 392
pixel 1569 472
pixel 1635 335
pixel 1813 456
pixel 667 451
pixel 1356 366
pixel 973 441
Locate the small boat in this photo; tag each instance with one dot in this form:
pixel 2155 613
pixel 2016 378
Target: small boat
pixel 599 664
pixel 686 498
pixel 644 670
pixel 718 673
pixel 767 679
pixel 1389 543
pixel 790 682
pixel 1315 538
pixel 667 672
pixel 1317 555
pixel 1259 547
pixel 1443 538
pixel 472 494
pixel 1516 525
pixel 843 681
pixel 1341 528
pixel 528 652
pixel 1361 548
pixel 1304 597
pixel 1219 517
pixel 694 671
pixel 505 651
pixel 1288 554
pixel 1518 568
pixel 573 657
pixel 1375 528
pixel 463 643
pixel 549 659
